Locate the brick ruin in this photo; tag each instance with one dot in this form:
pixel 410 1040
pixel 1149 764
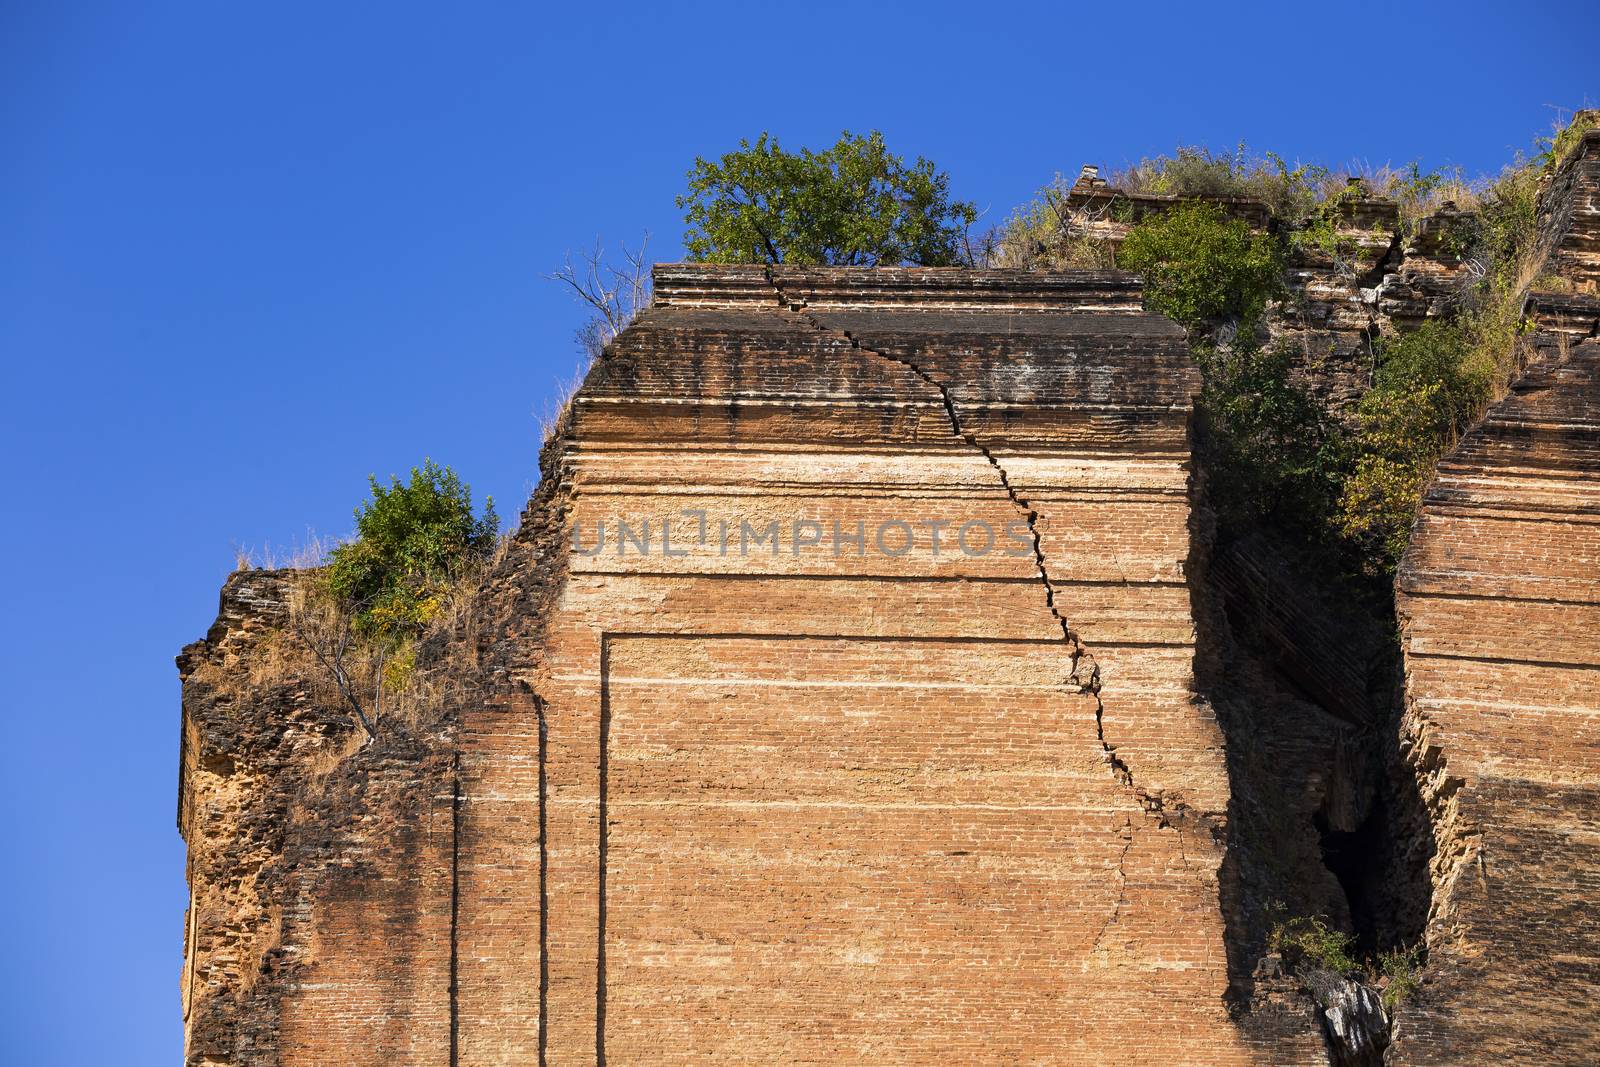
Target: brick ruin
pixel 867 682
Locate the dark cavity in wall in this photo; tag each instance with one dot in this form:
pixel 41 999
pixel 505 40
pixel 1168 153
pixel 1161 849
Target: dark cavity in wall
pixel 1303 671
pixel 1350 855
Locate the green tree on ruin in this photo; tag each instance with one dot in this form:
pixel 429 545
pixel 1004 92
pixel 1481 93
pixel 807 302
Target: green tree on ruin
pixel 855 204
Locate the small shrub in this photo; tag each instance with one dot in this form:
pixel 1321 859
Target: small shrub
pixel 1498 241
pixel 1377 506
pixel 1308 941
pixel 1403 969
pixel 1315 952
pixel 1320 231
pixel 1437 356
pixel 1203 268
pixel 399 667
pixel 1556 148
pixel 1428 387
pixel 414 541
pixel 1039 236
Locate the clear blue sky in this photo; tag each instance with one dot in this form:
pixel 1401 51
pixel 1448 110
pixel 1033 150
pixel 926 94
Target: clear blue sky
pixel 254 252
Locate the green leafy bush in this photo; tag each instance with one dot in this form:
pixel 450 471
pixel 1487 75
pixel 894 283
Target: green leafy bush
pixel 1203 268
pixel 1267 440
pixel 1437 353
pixel 1391 461
pixel 854 204
pixel 1272 447
pixel 414 540
pixel 1308 940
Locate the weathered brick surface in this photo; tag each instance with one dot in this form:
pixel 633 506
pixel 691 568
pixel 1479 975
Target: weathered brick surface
pixel 1500 599
pixel 1382 279
pixel 875 805
pixel 807 807
pixel 1570 226
pixel 319 926
pixel 1501 604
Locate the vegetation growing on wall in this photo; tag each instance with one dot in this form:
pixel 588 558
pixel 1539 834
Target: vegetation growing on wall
pixel 414 540
pixel 1555 148
pixel 1400 970
pixel 1309 944
pixel 359 609
pixel 1430 385
pixel 1307 194
pixel 1268 442
pixel 1273 451
pixel 1352 486
pixel 855 205
pixel 1306 941
pixel 1205 269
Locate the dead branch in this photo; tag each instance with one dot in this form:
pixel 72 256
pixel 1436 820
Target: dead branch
pixel 330 645
pixel 614 292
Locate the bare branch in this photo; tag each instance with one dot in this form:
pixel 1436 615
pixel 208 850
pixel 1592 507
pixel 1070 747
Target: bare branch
pixel 329 643
pixel 615 293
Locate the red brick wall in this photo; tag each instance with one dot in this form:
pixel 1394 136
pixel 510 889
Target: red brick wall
pixel 813 808
pixel 1499 594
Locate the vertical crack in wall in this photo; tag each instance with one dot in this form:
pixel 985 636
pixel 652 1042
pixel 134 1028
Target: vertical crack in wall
pixel 605 839
pixel 1085 672
pixel 1122 885
pixel 455 908
pixel 540 708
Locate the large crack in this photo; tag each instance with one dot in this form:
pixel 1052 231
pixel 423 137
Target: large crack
pixel 1085 673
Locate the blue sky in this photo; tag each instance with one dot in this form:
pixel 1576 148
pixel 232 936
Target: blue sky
pixel 254 253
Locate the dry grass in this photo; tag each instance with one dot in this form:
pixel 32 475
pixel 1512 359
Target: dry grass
pixel 328 757
pixel 1417 194
pixel 1038 236
pixel 558 406
pixel 1295 191
pixel 416 694
pixel 308 554
pixel 1194 170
